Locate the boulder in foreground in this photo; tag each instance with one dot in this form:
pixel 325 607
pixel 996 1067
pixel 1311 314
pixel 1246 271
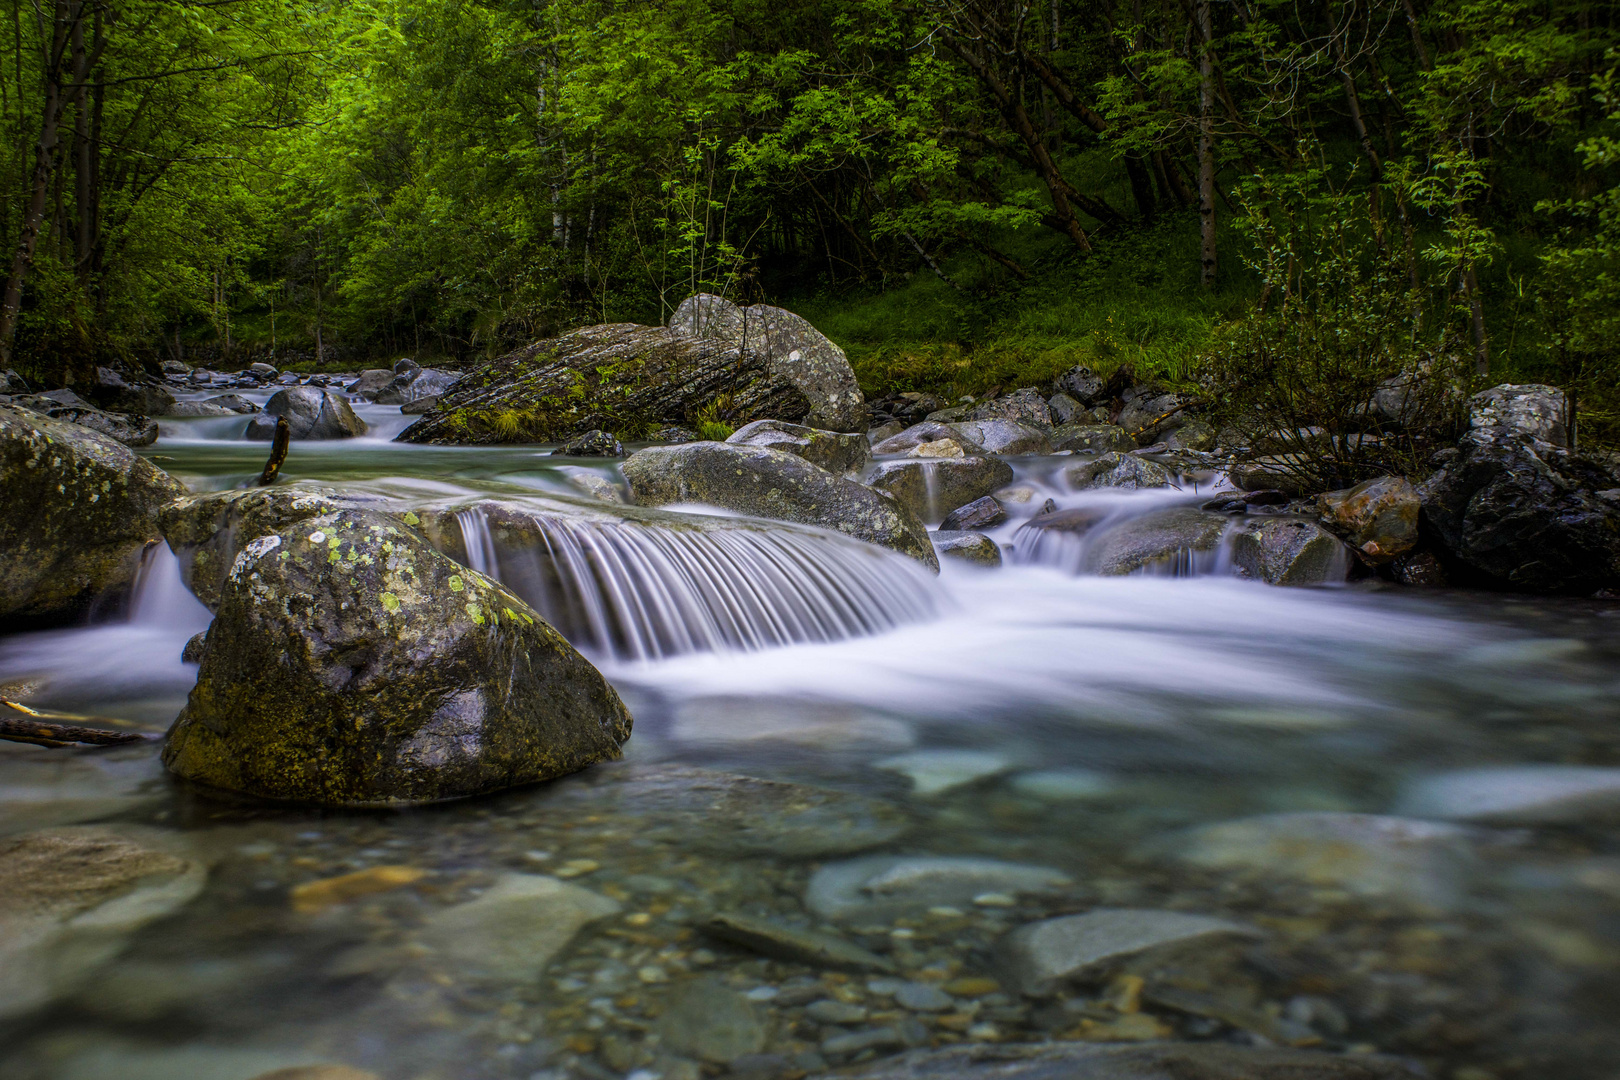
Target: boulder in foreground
pixel 81 509
pixel 351 664
pixel 762 482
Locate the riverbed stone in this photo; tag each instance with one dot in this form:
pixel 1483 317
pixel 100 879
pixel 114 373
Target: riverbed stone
pixel 131 429
pixel 1288 551
pixel 881 886
pixel 1533 409
pixel 40 791
pixel 1271 472
pixel 1405 860
pixel 967 546
pixel 809 360
pixel 1116 470
pixel 1066 409
pixel 1148 416
pixel 1081 383
pixel 234 402
pixel 711 810
pixel 352 664
pixel 92 508
pixel 1083 438
pixel 593 443
pixel 1516 795
pixel 511 932
pixel 199 408
pixel 206 531
pixel 1006 435
pixel 929 489
pixel 371 382
pixel 1037 958
pixel 934 772
pixel 767 483
pixel 70 898
pixel 712 1022
pixel 1025 405
pixel 1378 517
pixel 930 431
pixel 1147 1061
pixel 837 452
pixel 982 513
pixel 1155 539
pixel 801 945
pixel 311 413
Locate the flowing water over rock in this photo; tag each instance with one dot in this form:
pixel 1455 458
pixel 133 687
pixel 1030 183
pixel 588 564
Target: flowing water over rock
pixel 1291 823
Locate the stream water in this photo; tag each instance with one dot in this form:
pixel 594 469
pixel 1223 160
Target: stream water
pixel 1194 742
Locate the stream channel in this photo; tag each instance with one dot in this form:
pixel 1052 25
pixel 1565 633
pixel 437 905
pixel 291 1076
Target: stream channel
pixel 1193 743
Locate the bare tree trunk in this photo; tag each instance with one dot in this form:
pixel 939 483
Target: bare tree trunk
pixel 44 168
pixel 81 155
pixel 1206 145
pixel 1476 317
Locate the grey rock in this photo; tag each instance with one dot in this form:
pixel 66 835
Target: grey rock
pixel 837 452
pixel 705 315
pixel 675 436
pixel 1516 511
pixel 1006 435
pixel 1081 383
pixel 1516 795
pixel 922 997
pixel 1088 438
pixel 92 509
pixel 1065 409
pixel 886 430
pixel 200 408
pixel 66 397
pixel 1163 537
pixel 192 653
pixel 594 443
pixel 311 412
pixel 1193 434
pixel 1272 472
pixel 371 382
pixel 930 432
pixel 263 369
pixel 352 664
pixel 112 392
pixel 413 384
pixel 288 378
pixel 949 416
pixel 131 429
pixel 234 402
pixel 708 1020
pixel 972 547
pixel 1538 411
pixel 930 488
pixel 1378 517
pixel 845 1045
pixel 421 405
pixel 593 484
pixel 879 886
pixel 1025 405
pixel 1289 551
pixel 828 1011
pixel 1119 471
pixel 799 945
pixel 1037 958
pixel 1150 1061
pixel 511 932
pixel 983 513
pixel 740 814
pixel 771 484
pixel 176 367
pixel 70 899
pixel 816 367
pixel 1421 863
pixel 1148 416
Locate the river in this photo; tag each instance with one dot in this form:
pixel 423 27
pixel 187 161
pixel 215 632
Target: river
pixel 1191 743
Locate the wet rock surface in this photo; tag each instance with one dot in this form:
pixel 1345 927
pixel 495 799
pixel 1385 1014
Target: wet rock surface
pixel 1039 956
pixel 594 443
pixel 1080 1061
pixel 1164 539
pixel 1289 551
pixel 1010 435
pixel 1516 795
pixel 310 412
pixel 1115 470
pixel 929 489
pixel 92 509
pixel 352 664
pixel 1379 517
pixel 970 547
pixel 771 484
pixel 834 451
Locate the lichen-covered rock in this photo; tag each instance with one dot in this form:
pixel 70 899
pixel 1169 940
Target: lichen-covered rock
pixel 1378 517
pixel 415 383
pixel 1524 409
pixel 1289 551
pixel 206 531
pixel 1026 405
pixel 1002 435
pixel 968 546
pixel 351 664
pixel 594 443
pixel 707 315
pixel 1148 415
pixel 1081 383
pixel 1083 438
pixel 371 382
pixel 835 451
pixel 983 513
pixel 1517 511
pixel 131 429
pixel 81 509
pixel 1119 471
pixel 930 432
pixel 1162 538
pixel 1194 434
pixel 768 483
pixel 311 412
pixel 815 366
pixel 933 488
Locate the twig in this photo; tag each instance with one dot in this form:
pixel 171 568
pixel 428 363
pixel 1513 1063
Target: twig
pixel 1157 420
pixel 40 732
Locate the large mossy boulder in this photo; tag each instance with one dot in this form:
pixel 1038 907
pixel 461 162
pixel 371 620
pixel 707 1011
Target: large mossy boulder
pixel 766 483
pixel 311 413
pixel 351 664
pixel 1514 511
pixel 634 380
pixel 81 508
pixel 206 531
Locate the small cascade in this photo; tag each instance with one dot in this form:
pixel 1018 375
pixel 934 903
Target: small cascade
pixel 1105 530
pixel 160 598
pixel 642 591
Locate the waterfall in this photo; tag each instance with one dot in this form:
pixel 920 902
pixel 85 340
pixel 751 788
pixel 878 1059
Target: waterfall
pixel 1087 537
pixel 160 598
pixel 639 590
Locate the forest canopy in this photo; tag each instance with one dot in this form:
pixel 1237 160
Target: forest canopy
pixel 234 180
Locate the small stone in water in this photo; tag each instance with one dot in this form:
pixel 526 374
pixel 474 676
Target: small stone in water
pixel 885 885
pixel 920 997
pixel 995 899
pixel 313 896
pixel 1516 795
pixel 883 987
pixel 972 986
pixel 934 772
pixel 943 912
pixel 763 993
pixel 577 868
pixel 828 1011
pixel 651 974
pixel 856 1041
pixel 1059 785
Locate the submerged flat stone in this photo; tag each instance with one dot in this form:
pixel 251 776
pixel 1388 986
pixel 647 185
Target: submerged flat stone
pixel 933 772
pixel 511 932
pixel 813 947
pixel 1038 957
pixel 1151 1061
pixel 1515 795
pixel 712 1022
pixel 880 886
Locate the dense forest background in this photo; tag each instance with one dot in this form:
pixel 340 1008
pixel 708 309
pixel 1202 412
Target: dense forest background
pixel 963 193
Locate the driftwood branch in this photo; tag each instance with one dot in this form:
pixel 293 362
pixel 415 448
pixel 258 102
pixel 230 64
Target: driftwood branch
pixel 278 453
pixel 36 727
pixel 1157 420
